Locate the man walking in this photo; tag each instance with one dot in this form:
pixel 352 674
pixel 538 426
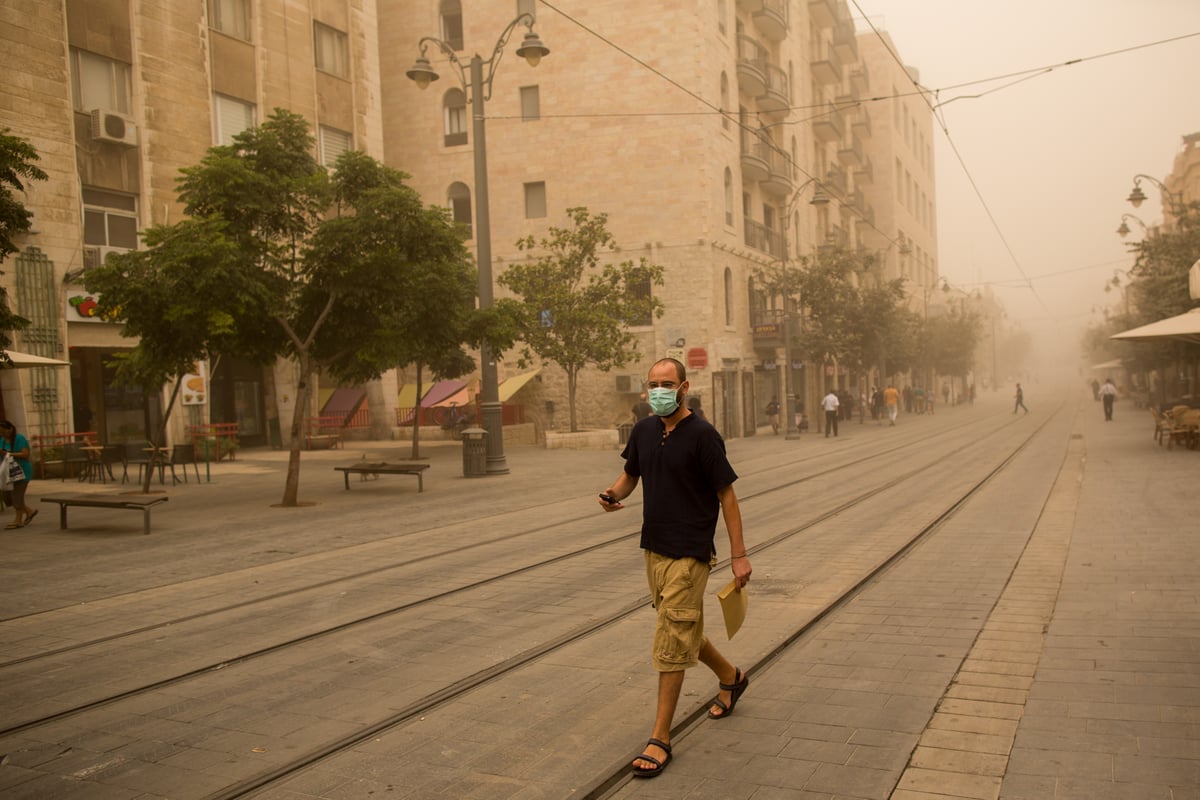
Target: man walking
pixel 1108 393
pixel 773 414
pixel 830 404
pixel 891 400
pixel 1020 400
pixel 688 478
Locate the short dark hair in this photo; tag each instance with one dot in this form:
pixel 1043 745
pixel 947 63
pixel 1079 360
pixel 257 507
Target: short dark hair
pixel 680 370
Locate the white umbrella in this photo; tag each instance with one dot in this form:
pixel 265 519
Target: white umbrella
pixel 27 360
pixel 1183 327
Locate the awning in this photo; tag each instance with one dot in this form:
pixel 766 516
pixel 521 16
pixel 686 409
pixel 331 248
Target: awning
pixel 514 384
pixel 408 396
pixel 29 360
pixel 1116 363
pixel 443 391
pixel 1182 327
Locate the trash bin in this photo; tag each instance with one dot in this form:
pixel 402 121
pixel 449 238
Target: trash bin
pixel 474 452
pixel 623 432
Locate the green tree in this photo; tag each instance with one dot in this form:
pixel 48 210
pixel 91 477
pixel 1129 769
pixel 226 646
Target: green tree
pixel 949 342
pixel 285 261
pixel 830 306
pixel 17 166
pixel 577 310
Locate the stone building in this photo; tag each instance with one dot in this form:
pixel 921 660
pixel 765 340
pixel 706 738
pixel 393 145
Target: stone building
pixel 703 131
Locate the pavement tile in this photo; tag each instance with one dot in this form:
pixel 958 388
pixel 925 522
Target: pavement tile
pixel 960 740
pixel 969 723
pixel 935 759
pixel 956 784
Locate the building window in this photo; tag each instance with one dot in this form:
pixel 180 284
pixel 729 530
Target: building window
pixel 535 200
pixel 527 7
pixel 728 196
pixel 454 117
pixel 531 103
pixel 452 23
pixel 724 101
pixel 230 17
pixel 721 13
pixel 333 143
pixel 109 219
pixel 332 50
pixel 643 290
pixel 99 82
pixel 230 117
pixel 458 197
pixel 728 296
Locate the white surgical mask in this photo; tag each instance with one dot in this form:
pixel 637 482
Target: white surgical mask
pixel 663 401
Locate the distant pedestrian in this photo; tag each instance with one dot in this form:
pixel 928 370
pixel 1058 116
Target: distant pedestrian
pixel 891 400
pixel 1108 393
pixel 641 409
pixel 831 404
pixel 908 400
pixel 693 405
pixel 1020 400
pixel 773 414
pixel 1095 389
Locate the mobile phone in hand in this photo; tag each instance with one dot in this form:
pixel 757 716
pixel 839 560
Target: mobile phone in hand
pixel 608 498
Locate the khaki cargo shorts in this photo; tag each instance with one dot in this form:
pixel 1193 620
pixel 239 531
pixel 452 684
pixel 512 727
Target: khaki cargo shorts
pixel 677 590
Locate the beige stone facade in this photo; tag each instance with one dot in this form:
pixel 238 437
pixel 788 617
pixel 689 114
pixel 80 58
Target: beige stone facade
pixel 700 129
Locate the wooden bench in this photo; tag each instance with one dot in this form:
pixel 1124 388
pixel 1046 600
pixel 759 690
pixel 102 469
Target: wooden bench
pixel 323 433
pixel 141 503
pixel 384 468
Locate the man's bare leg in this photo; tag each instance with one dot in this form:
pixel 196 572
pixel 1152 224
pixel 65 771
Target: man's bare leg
pixel 669 686
pixel 726 672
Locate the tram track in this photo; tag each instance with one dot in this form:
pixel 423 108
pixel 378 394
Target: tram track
pixel 506 666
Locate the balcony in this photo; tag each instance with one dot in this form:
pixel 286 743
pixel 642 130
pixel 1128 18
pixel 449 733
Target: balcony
pixel 751 66
pixel 779 174
pixel 851 154
pixel 763 239
pixel 862 123
pixel 829 127
pixel 823 13
pixel 865 174
pixel 844 40
pixel 771 19
pixel 835 181
pixel 756 157
pixel 860 80
pixel 776 96
pixel 858 201
pixel 827 68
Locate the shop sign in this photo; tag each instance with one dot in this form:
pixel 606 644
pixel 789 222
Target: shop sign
pixel 194 389
pixel 83 306
pixel 697 358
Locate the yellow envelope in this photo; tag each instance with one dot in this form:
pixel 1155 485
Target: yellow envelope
pixel 733 607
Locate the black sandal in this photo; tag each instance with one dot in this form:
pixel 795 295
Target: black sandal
pixel 735 690
pixel 650 772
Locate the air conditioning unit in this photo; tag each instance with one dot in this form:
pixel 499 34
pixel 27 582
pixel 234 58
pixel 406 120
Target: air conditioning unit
pixel 95 256
pixel 628 384
pixel 114 128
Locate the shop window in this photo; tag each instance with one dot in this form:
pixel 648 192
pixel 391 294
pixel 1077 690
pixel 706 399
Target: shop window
pixel 454 117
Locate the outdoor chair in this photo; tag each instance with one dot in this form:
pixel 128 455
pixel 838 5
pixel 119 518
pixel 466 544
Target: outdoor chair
pixel 184 454
pixel 74 458
pixel 134 453
pixel 110 455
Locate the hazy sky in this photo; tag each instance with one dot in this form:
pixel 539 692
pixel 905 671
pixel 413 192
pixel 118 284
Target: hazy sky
pixel 1053 156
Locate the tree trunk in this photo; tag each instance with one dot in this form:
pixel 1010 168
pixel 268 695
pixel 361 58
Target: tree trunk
pixel 572 380
pixel 162 437
pixel 416 436
pixel 291 487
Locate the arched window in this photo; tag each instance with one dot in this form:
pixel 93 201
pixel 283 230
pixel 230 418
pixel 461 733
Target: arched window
pixel 721 13
pixel 450 12
pixel 725 100
pixel 728 296
pixel 728 196
pixel 454 117
pixel 458 197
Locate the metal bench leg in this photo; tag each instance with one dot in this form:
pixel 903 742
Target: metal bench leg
pixel 420 483
pixel 62 516
pixel 346 475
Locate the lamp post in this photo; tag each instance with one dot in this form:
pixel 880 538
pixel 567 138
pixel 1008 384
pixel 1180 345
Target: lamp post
pixel 1123 231
pixel 1137 196
pixel 479 87
pixel 819 198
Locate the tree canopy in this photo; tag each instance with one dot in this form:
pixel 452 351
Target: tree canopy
pixel 17 167
pixel 578 307
pixel 349 273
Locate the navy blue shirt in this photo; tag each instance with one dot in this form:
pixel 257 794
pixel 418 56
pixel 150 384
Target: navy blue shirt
pixel 681 474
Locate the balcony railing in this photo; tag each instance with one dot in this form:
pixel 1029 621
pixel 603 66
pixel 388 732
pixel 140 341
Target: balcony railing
pixel 771 18
pixel 756 156
pixel 776 95
pixel 751 66
pixel 844 40
pixel 763 239
pixel 827 67
pixel 829 127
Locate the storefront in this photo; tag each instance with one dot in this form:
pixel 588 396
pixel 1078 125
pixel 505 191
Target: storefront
pixel 236 392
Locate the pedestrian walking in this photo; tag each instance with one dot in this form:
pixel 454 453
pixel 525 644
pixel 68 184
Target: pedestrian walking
pixel 1108 393
pixel 16 444
pixel 641 409
pixel 1020 396
pixel 687 480
pixel 891 400
pixel 831 404
pixel 773 414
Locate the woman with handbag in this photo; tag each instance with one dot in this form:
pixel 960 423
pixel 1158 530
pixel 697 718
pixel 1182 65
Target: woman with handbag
pixel 18 446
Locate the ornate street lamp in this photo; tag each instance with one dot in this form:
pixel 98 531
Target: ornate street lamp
pixel 1123 231
pixel 1173 201
pixel 479 87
